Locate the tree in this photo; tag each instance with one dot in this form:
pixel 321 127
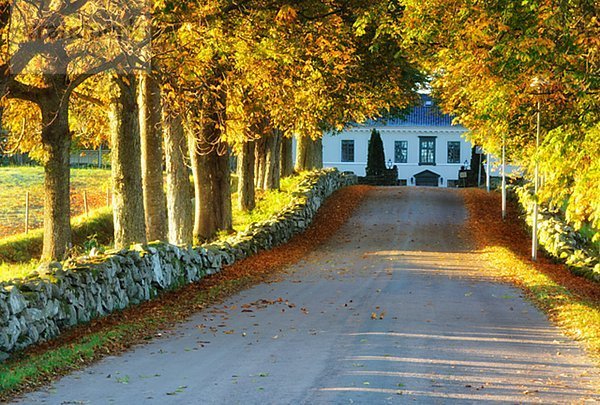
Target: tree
pixel 376 157
pixel 50 55
pixel 309 153
pixel 268 156
pixel 210 164
pixel 128 203
pixel 179 195
pixel 245 172
pixel 152 157
pixel 287 162
pixel 304 66
pixel 484 58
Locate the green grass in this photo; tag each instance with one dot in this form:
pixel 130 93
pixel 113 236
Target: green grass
pixel 267 203
pixel 16 181
pixel 9 271
pixel 18 253
pixel 21 251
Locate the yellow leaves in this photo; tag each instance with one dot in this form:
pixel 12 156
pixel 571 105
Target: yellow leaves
pixel 286 15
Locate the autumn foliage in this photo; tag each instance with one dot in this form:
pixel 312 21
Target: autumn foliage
pixel 495 64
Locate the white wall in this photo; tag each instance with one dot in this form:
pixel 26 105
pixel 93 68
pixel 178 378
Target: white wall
pixel 332 150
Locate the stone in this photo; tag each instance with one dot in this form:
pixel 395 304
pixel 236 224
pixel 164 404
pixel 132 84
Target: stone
pixel 4 312
pixel 16 301
pixel 158 275
pixel 12 331
pixel 51 309
pixel 33 315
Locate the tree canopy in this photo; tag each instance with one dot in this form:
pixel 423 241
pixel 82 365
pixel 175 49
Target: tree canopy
pixel 492 62
pixel 234 72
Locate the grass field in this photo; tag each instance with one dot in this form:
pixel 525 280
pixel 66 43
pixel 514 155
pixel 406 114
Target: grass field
pixel 16 181
pixel 24 249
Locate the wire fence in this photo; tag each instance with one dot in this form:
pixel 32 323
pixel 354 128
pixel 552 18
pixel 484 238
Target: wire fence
pixel 26 212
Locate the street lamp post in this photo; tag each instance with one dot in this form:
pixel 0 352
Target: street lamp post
pixel 534 238
pixel 487 173
pixel 504 176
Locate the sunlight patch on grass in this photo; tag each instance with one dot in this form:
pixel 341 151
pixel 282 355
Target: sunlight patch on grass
pixel 268 203
pixel 15 182
pixel 8 271
pixel 19 253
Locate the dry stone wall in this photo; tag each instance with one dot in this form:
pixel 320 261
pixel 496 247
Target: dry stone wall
pixel 559 239
pixel 39 308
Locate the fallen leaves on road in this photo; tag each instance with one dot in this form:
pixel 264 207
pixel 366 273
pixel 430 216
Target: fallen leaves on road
pixel 488 229
pixel 148 319
pixel 571 301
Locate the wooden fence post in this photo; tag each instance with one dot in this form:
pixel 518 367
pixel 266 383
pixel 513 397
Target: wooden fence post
pixel 27 212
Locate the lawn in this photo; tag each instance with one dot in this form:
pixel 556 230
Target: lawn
pixel 268 203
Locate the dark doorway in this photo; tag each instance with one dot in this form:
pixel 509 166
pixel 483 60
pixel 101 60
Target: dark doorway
pixel 427 178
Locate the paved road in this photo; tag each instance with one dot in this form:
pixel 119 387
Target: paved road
pixel 442 333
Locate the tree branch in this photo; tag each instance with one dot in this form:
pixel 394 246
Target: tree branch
pixel 89 99
pixel 24 91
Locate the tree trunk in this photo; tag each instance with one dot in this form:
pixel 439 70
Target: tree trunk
pixel 210 163
pixel 309 153
pixel 213 189
pixel 287 158
pixel 245 171
pixel 198 190
pixel 260 161
pixel 268 156
pixel 179 194
pixel 152 158
pixel 56 140
pixel 128 204
pixel 273 161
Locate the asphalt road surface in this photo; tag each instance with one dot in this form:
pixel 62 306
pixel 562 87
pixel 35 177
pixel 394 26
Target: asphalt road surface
pixel 393 309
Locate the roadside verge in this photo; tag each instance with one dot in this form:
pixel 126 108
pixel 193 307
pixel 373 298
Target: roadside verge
pixel 570 301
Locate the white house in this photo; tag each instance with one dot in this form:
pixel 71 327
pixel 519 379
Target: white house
pixel 425 146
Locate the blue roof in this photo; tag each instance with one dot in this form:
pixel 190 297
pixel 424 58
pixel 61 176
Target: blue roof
pixel 427 113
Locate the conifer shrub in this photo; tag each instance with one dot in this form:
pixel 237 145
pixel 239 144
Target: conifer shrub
pixel 376 157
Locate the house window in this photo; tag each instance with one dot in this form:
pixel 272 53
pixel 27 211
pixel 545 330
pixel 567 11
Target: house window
pixel 401 151
pixel 347 150
pixel 453 152
pixel 427 150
